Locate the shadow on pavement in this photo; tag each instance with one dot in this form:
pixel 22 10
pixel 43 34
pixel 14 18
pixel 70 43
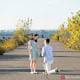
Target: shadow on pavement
pixel 64 72
pixel 13 57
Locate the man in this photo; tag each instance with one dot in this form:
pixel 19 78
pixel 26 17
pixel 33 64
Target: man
pixel 47 52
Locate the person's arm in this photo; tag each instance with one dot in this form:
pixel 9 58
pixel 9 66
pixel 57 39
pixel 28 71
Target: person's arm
pixel 29 47
pixel 42 53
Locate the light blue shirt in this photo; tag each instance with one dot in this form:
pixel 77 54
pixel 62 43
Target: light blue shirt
pixel 35 52
pixel 48 53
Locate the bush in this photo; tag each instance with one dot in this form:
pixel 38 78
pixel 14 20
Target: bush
pixel 20 40
pixel 12 43
pixel 55 37
pixel 2 50
pixel 9 44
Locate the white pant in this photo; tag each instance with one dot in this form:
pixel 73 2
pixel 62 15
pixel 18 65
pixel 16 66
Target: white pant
pixel 47 66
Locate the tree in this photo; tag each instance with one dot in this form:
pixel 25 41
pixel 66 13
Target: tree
pixel 71 35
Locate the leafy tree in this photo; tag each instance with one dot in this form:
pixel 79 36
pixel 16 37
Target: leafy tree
pixel 71 35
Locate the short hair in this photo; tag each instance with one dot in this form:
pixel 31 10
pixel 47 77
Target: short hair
pixel 35 34
pixel 48 40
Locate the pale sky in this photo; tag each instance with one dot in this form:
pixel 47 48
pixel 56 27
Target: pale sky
pixel 46 14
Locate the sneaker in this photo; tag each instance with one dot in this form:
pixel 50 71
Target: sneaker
pixel 56 70
pixel 53 71
pixel 32 72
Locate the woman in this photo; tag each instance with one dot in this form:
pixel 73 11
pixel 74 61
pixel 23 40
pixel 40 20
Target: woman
pixel 30 51
pixel 34 53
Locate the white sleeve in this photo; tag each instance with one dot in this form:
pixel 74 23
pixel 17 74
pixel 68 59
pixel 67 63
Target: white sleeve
pixel 29 44
pixel 42 51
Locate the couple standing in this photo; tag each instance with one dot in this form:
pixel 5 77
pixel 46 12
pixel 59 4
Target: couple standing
pixel 47 53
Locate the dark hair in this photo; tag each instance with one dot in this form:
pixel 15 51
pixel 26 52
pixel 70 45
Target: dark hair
pixel 35 34
pixel 47 40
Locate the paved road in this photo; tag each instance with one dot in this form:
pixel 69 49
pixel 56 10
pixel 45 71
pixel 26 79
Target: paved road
pixel 14 65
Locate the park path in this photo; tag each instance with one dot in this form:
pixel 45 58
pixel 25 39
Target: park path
pixel 14 65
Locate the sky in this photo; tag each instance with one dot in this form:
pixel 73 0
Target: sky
pixel 45 14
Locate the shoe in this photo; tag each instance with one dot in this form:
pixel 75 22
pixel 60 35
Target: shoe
pixel 53 71
pixel 56 70
pixel 32 72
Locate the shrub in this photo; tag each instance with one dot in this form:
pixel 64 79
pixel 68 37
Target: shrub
pixel 9 44
pixel 21 39
pixel 55 36
pixel 2 50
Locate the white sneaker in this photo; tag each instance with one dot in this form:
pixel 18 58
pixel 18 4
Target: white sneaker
pixel 53 71
pixel 32 72
pixel 56 70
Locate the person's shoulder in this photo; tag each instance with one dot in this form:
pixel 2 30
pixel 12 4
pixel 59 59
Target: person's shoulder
pixel 49 46
pixel 29 41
